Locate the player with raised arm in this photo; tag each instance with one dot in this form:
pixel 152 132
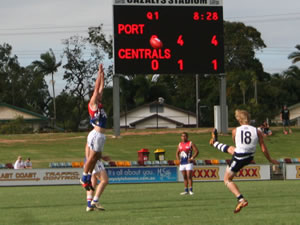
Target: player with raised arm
pixel 96 138
pixel 246 138
pixel 185 154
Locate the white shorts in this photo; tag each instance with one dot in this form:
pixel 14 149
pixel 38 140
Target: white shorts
pixel 188 166
pixel 98 167
pixel 96 141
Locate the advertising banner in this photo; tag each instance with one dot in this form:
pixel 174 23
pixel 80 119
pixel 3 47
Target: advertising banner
pixel 65 176
pixel 292 171
pixel 40 177
pixel 122 175
pixel 216 173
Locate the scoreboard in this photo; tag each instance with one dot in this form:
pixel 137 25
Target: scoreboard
pixel 191 33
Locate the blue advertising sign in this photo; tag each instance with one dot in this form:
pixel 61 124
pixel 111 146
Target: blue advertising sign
pixel 121 175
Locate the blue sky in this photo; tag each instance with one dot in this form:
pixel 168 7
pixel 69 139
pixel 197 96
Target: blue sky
pixel 34 26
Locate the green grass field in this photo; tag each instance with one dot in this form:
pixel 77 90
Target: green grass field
pixel 61 147
pixel 270 203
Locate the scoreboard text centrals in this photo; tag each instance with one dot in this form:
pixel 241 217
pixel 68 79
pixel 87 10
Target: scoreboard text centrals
pixel 192 36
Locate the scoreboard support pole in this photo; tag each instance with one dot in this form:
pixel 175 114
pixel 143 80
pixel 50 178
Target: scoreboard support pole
pixel 197 100
pixel 223 108
pixel 116 105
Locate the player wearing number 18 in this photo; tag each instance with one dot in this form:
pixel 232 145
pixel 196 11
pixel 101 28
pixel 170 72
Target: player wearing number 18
pixel 246 138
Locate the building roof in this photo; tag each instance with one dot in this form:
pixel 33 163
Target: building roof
pixel 154 115
pixel 37 115
pixel 156 102
pixel 294 106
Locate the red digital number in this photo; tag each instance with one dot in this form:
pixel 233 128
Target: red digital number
pixel 180 40
pixel 215 64
pixel 214 40
pixel 152 15
pixel 208 15
pixel 180 62
pixel 196 16
pixel 212 16
pixel 215 16
pixel 154 64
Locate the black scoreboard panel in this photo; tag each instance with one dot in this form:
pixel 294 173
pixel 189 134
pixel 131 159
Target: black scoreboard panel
pixel 192 38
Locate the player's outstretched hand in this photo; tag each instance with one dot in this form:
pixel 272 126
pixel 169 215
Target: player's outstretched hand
pixel 274 162
pixel 100 70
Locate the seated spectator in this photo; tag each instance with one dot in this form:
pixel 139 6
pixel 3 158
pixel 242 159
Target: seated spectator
pixel 261 128
pixel 19 164
pixel 265 129
pixel 28 164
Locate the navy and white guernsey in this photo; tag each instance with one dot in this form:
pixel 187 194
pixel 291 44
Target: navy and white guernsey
pixel 246 139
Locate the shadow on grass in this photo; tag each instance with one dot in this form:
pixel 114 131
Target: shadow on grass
pixel 38 206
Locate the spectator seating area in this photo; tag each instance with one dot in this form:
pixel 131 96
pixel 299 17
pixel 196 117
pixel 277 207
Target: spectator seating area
pixel 64 165
pixel 6 166
pixel 289 160
pixel 198 162
pixel 140 163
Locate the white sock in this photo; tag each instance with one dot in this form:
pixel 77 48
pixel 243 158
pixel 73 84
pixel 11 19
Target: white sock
pixel 89 198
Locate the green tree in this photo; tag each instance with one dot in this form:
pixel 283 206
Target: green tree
pixel 136 90
pixel 24 87
pixel 36 94
pixel 254 80
pixel 8 66
pixel 243 87
pixel 241 42
pixel 290 85
pixel 295 56
pixel 65 111
pixel 98 39
pixel 79 74
pixel 244 70
pixel 101 43
pixel 48 65
pixel 83 56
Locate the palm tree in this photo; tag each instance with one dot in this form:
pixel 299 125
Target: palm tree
pixel 295 56
pixel 292 72
pixel 243 87
pixel 254 80
pixel 48 65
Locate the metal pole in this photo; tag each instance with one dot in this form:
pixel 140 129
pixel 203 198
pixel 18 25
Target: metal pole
pixel 197 97
pixel 125 116
pixel 156 115
pixel 199 115
pixel 223 108
pixel 54 104
pixel 116 105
